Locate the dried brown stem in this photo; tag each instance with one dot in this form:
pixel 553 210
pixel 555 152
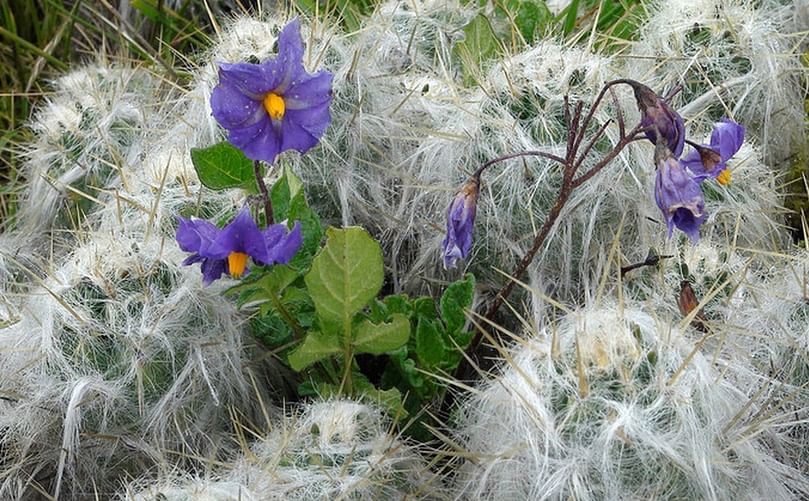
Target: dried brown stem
pixel 528 153
pixel 574 157
pixel 265 195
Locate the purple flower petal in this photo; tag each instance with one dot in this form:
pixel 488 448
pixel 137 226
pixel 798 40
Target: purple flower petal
pixel 685 220
pixel 660 118
pixel 240 235
pixel 248 78
pixel 290 54
pixel 282 245
pixel 678 195
pixel 461 223
pixel 296 137
pixel 727 137
pixel 195 235
pixel 301 115
pixel 259 141
pixel 212 269
pixel 233 109
pixel 314 120
pixel 709 160
pixel 703 162
pixel 309 91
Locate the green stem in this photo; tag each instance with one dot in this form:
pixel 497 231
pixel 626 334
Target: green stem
pixel 328 369
pixel 288 318
pixel 348 360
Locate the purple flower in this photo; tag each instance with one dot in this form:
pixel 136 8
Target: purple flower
pixel 657 115
pixel 678 194
pixel 710 160
pixel 461 223
pixel 276 105
pixel 227 250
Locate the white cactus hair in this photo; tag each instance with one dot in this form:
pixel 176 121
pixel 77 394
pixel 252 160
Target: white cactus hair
pixel 611 403
pixel 772 316
pixel 335 449
pixel 115 354
pixel 405 134
pixel 736 59
pixel 118 357
pixel 116 363
pixel 85 128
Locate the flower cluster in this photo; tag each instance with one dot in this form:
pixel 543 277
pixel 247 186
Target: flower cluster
pixel 677 184
pixel 276 105
pixel 227 250
pixel 267 108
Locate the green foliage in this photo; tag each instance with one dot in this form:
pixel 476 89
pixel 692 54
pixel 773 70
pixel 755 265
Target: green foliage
pixel 480 44
pixel 349 12
pixel 381 338
pixel 345 276
pixel 312 311
pixel 289 202
pixel 531 17
pixel 316 346
pixel 223 166
pixel 434 349
pixel 616 20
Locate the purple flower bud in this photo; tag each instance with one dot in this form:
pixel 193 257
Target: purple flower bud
pixel 678 194
pixel 227 250
pixel 461 223
pixel 710 160
pixel 659 118
pixel 276 105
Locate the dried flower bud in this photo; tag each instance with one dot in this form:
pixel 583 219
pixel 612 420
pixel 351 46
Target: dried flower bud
pixel 660 118
pixel 461 223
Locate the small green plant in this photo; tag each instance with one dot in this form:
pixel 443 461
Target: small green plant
pixel 322 308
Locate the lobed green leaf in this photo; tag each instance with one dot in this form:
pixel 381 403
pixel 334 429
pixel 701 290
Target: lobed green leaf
pixel 345 276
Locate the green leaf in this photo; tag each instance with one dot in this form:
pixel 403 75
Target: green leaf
pixel 381 338
pixel 390 400
pixel 271 330
pixel 308 388
pixel 531 18
pixel 270 281
pixel 570 13
pixel 289 202
pixel 425 307
pixel 398 303
pixel 316 346
pixel 479 45
pixel 345 276
pixel 283 191
pixel 224 166
pixel 311 228
pixel 430 347
pixel 455 299
pixel 381 310
pixel 463 338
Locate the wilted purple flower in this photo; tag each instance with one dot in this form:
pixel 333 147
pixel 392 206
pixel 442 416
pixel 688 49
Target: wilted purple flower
pixel 678 195
pixel 461 222
pixel 227 250
pixel 276 105
pixel 709 160
pixel 657 115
